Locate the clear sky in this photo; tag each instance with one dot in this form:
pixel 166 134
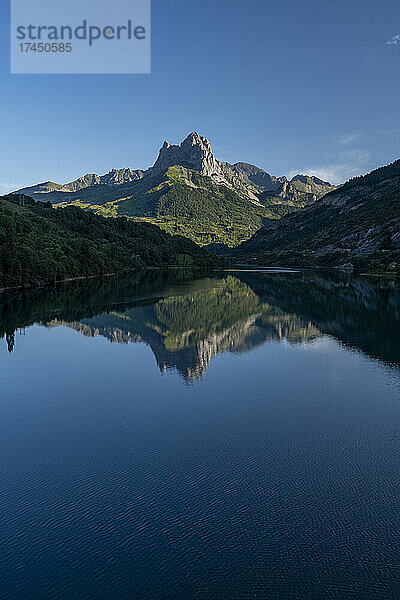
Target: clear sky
pixel 288 85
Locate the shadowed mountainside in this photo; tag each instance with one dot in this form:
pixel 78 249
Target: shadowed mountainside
pixel 355 226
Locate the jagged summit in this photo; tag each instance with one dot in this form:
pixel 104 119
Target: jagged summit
pixel 194 152
pixel 310 178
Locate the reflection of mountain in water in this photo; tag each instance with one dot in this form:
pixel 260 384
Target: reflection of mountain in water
pixel 187 321
pixel 186 331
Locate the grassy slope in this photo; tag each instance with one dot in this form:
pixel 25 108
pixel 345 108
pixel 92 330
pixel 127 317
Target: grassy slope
pixel 189 204
pixel 182 202
pixel 41 244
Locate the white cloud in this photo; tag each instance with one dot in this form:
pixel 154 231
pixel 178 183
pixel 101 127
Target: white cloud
pixel 333 173
pixel 350 163
pixel 348 138
pixel 394 41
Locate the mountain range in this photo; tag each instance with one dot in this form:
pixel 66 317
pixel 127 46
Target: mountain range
pixel 242 212
pixel 189 192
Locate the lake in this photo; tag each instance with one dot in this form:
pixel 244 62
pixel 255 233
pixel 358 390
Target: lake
pixel 173 435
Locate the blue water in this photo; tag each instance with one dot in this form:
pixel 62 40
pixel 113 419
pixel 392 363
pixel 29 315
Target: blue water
pixel 248 454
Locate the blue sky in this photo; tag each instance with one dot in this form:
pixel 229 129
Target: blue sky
pixel 289 86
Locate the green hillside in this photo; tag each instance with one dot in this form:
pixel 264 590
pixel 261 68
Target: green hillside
pixel 189 204
pixel 40 244
pixel 183 202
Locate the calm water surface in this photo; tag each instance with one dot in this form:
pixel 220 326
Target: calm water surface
pixel 233 436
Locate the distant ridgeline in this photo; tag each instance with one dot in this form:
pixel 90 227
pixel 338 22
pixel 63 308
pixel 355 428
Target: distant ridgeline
pixel 355 226
pixel 39 244
pixel 190 193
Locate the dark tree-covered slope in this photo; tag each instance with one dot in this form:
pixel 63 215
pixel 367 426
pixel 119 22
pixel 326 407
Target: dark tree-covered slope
pixel 40 244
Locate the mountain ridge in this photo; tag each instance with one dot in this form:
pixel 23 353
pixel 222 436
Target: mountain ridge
pixel 186 184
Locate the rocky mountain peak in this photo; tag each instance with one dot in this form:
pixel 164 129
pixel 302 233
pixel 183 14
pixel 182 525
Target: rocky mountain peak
pixel 307 179
pixel 194 139
pixel 117 176
pixel 193 153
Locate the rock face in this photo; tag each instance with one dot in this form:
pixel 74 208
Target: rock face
pixel 253 175
pixel 118 176
pixel 301 187
pixel 113 177
pixel 247 180
pixel 309 181
pixel 82 182
pixel 193 153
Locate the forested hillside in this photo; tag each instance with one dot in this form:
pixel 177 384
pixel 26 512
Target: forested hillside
pixel 40 244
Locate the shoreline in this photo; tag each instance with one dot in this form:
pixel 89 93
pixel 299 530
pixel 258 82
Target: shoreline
pixel 232 269
pixel 84 277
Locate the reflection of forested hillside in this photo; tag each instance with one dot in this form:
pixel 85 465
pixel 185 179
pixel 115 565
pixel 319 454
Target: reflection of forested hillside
pixel 20 308
pixel 362 312
pixel 186 322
